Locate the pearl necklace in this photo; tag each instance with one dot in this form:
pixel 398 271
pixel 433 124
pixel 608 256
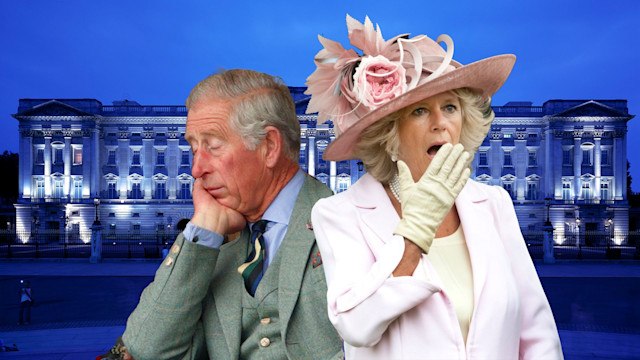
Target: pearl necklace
pixel 394 186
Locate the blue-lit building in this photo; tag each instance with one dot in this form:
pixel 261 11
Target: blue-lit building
pixel 129 165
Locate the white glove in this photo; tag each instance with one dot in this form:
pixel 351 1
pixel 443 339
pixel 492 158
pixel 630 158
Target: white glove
pixel 426 203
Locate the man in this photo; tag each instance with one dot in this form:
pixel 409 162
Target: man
pixel 245 139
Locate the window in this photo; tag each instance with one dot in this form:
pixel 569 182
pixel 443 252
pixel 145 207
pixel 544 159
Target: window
pixel 77 188
pixel 58 156
pixel 507 136
pixel 136 228
pixel 586 190
pixel 604 157
pixel 321 161
pixel 39 156
pixel 185 157
pixel 586 157
pixel 77 155
pixel 160 157
pixel 160 227
pixel 111 159
pixel 161 192
pixel 532 158
pixel 40 189
pixel 532 216
pixel 135 215
pixel 532 135
pixel 112 227
pixel 185 190
pixel 482 158
pixel 507 158
pixel 566 190
pixel 566 157
pixel 112 193
pixel 136 157
pixel 509 187
pixel 58 188
pixel 136 193
pixel 604 191
pixel 532 191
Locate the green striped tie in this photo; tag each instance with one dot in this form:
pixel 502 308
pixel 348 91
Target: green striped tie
pixel 252 269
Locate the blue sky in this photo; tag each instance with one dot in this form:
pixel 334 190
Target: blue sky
pixel 154 52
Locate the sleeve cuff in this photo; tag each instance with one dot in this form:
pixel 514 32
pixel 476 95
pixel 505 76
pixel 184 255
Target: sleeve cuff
pixel 202 236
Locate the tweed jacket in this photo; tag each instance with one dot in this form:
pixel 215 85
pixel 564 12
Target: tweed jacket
pixel 193 308
pixel 385 317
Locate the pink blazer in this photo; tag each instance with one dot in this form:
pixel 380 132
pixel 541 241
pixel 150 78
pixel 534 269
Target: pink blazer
pixel 383 317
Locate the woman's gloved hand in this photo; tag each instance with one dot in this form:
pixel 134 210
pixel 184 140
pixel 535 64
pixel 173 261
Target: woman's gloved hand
pixel 426 203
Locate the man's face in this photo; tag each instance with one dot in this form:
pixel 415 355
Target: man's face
pixel 229 172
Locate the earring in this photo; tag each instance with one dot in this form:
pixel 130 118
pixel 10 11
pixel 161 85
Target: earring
pixel 394 158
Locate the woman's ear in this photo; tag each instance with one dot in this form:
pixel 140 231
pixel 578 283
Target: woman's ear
pixel 273 146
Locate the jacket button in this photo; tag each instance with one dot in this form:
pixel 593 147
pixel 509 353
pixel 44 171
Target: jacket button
pixel 265 321
pixel 175 249
pixel 169 261
pixel 264 342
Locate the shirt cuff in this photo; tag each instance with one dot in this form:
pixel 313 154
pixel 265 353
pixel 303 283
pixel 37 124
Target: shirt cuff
pixel 202 236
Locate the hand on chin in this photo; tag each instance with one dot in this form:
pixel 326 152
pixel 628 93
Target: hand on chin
pixel 210 214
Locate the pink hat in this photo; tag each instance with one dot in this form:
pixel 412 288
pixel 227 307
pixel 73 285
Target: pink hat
pixel 355 91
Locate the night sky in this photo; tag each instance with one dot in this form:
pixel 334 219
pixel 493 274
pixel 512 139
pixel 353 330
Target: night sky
pixel 154 52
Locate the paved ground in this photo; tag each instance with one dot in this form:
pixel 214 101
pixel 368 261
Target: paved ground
pixel 81 308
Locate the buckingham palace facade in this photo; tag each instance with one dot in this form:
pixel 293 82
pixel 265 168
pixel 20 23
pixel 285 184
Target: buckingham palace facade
pixel 129 166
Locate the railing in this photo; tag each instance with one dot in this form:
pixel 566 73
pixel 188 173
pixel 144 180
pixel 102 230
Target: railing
pixel 149 244
pixel 587 245
pixel 70 244
pixel 179 110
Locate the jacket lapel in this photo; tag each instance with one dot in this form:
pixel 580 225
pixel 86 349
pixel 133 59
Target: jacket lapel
pixel 229 307
pixel 296 249
pixel 368 195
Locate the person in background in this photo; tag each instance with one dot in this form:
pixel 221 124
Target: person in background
pixel 421 263
pixel 26 301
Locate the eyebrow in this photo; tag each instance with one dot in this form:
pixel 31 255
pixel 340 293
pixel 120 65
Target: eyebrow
pixel 205 134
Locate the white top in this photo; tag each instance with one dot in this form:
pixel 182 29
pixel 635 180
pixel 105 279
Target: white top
pixel 450 258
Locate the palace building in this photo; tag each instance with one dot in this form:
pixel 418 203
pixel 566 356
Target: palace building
pixel 129 166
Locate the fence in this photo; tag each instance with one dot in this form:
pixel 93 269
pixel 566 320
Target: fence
pixel 128 245
pixel 587 245
pixel 70 244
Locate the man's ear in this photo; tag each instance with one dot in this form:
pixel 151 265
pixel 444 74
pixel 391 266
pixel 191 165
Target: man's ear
pixel 273 145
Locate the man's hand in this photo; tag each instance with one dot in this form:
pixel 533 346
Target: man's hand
pixel 211 215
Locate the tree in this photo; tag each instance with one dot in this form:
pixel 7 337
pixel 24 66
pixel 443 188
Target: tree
pixel 9 179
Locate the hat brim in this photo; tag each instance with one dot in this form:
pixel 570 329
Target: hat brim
pixel 486 75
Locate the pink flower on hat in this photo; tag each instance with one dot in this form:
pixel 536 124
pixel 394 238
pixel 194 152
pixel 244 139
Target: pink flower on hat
pixel 378 80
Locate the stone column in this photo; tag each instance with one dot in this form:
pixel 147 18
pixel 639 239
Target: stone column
pixel 597 156
pixel 312 155
pixel 68 161
pixel 96 242
pixel 47 162
pixel 577 165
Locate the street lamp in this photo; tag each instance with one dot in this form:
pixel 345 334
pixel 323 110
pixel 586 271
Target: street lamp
pixel 547 202
pixel 96 202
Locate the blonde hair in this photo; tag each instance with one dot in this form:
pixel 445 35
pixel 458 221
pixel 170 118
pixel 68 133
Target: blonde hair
pixel 379 142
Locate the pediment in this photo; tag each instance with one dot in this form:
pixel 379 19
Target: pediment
pixel 591 108
pixel 53 108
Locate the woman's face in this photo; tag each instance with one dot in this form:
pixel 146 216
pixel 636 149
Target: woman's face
pixel 424 127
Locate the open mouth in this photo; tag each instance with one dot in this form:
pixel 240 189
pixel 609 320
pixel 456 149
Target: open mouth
pixel 433 150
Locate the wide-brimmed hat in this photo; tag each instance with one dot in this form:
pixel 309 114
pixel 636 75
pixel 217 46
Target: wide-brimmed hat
pixel 354 90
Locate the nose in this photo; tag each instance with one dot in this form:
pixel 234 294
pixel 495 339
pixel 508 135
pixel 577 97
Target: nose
pixel 438 121
pixel 200 164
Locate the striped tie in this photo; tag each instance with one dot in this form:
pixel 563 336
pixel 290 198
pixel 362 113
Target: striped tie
pixel 251 270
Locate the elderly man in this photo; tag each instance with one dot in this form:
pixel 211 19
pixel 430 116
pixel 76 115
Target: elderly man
pixel 263 294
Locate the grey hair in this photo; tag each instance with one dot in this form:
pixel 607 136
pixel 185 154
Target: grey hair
pixel 379 142
pixel 258 100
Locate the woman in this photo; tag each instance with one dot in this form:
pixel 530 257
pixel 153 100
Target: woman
pixel 421 263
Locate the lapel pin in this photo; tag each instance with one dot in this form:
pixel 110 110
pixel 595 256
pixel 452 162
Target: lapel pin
pixel 309 226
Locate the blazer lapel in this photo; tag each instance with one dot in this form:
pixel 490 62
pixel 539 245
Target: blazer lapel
pixel 229 289
pixel 376 210
pixel 296 249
